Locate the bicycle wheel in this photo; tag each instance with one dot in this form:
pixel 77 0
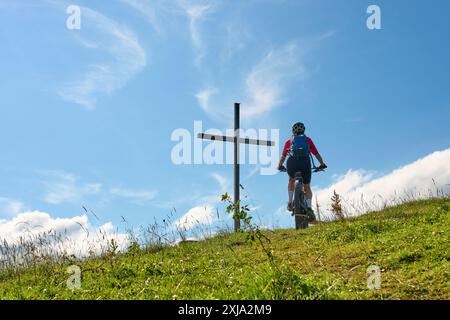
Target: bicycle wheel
pixel 301 219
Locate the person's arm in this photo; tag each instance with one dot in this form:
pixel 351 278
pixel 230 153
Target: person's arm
pixel 319 158
pixel 282 159
pixel 316 153
pixel 283 155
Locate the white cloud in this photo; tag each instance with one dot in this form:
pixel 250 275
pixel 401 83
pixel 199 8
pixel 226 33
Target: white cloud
pixel 10 206
pixel 202 212
pixel 148 10
pixel 126 59
pixel 64 187
pixel 76 235
pixel 223 182
pixel 204 96
pixel 138 195
pixel 196 13
pixel 264 87
pixel 362 191
pixel 194 217
pixel 266 83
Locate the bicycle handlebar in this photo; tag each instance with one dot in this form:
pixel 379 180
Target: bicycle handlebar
pixel 315 169
pixel 319 169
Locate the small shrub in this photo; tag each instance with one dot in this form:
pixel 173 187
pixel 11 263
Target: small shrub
pixel 336 206
pixel 123 273
pixel 286 284
pixel 409 257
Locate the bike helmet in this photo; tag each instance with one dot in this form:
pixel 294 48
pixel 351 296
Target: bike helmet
pixel 298 128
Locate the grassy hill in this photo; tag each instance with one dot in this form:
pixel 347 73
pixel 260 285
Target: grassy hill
pixel 410 244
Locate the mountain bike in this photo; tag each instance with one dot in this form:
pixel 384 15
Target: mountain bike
pixel 303 215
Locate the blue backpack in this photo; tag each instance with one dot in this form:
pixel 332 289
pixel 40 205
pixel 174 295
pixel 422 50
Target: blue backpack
pixel 300 146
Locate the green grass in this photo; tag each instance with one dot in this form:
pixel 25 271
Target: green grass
pixel 410 243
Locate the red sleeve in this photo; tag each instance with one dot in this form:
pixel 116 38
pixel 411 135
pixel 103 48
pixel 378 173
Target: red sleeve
pixel 286 148
pixel 312 147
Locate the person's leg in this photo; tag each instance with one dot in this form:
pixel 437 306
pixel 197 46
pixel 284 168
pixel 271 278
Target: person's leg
pixel 308 192
pixel 291 169
pixel 306 174
pixel 291 187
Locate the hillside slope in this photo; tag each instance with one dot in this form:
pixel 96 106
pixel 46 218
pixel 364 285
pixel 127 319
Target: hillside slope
pixel 409 243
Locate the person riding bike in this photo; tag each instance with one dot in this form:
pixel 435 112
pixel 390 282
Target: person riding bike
pixel 299 148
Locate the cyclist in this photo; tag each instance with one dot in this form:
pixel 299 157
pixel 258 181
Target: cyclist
pixel 299 148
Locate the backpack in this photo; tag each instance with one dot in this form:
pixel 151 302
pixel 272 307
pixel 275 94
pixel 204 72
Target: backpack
pixel 300 146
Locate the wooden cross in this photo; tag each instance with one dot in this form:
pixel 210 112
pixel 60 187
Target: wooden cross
pixel 236 140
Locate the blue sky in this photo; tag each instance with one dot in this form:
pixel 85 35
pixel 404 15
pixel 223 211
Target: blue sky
pixel 86 116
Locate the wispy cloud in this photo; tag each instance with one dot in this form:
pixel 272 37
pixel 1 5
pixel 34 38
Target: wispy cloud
pixel 264 87
pixel 149 10
pixel 252 172
pixel 9 206
pixel 223 182
pixel 267 82
pixel 196 13
pixel 204 96
pixel 61 187
pixel 362 190
pixel 213 110
pixel 136 195
pixel 126 59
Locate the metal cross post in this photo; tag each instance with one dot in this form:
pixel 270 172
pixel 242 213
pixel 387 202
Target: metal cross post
pixel 236 140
